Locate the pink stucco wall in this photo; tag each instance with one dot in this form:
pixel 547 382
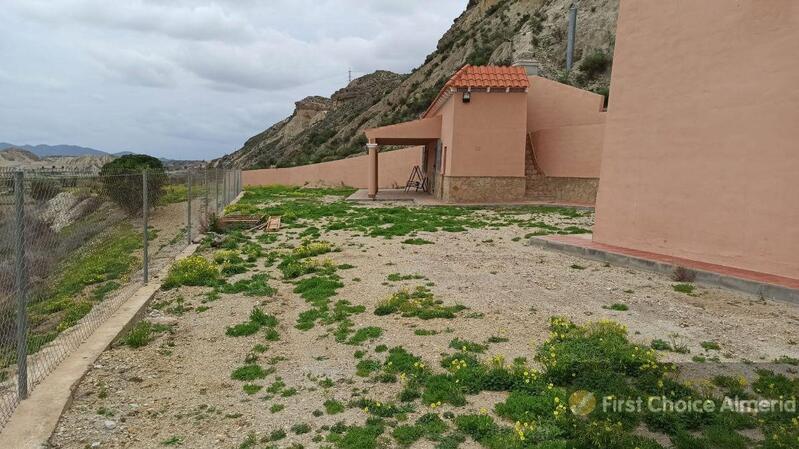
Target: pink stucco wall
pixel 488 134
pixel 570 151
pixel 700 158
pixel 394 169
pixel 567 128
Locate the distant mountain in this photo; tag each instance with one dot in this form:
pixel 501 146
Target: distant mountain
pixel 56 150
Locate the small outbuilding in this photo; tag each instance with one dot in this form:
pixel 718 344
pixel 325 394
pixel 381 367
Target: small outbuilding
pixel 503 134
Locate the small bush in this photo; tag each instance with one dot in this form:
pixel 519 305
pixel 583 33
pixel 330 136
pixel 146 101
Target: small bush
pixel 619 307
pixel 333 407
pixel 682 274
pixel 468 346
pixel 194 270
pixel 595 64
pixel 123 182
pixel 419 303
pixel 660 345
pixel 140 335
pixel 248 373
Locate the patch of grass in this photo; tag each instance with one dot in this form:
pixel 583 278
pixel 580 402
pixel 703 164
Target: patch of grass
pixel 660 345
pixel 619 307
pixel 310 249
pixel 425 332
pixel 356 437
pixel 172 441
pixel 418 303
pixel 364 334
pixel 497 339
pixel 277 435
pixel 248 373
pixel 300 428
pixel 142 333
pixel 468 346
pixel 243 329
pixel 710 346
pixel 688 289
pixel 272 334
pixel 255 286
pixel 333 407
pixel 276 408
pixel 366 367
pixel 396 277
pixel 417 241
pixel 429 425
pixel 251 389
pixel 108 258
pixel 786 360
pixel 194 271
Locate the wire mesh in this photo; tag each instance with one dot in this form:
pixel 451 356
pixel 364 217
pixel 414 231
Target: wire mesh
pixel 77 254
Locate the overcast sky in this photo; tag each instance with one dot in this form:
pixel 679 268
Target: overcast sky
pixel 192 79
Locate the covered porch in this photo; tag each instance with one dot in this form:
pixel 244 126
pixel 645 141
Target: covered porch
pixel 425 132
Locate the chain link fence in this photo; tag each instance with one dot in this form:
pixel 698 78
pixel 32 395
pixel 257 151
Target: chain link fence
pixel 75 246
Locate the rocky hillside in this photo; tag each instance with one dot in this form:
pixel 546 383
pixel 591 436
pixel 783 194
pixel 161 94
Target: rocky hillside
pixel 488 32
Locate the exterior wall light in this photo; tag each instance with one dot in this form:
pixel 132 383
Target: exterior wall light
pixel 467 97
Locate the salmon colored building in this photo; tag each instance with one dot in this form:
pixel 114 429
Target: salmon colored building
pixel 499 134
pixel 701 152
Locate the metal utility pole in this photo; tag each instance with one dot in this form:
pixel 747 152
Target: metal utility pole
pixel 572 32
pixel 350 76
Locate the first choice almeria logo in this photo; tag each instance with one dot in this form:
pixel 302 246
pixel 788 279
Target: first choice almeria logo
pixel 582 402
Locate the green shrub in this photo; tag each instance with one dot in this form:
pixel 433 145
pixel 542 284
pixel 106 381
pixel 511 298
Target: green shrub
pixel 595 64
pixel 419 303
pixel 140 335
pixel 123 183
pixel 248 373
pixel 194 270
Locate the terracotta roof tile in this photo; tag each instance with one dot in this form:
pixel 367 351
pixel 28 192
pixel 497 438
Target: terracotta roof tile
pixel 481 77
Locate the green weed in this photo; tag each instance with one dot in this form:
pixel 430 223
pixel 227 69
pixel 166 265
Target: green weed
pixel 418 303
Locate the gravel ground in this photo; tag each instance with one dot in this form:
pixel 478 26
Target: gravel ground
pixel 178 388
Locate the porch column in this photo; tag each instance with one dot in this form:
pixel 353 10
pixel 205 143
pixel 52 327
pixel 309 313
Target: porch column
pixel 373 182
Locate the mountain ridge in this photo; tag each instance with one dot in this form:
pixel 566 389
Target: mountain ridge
pixel 493 32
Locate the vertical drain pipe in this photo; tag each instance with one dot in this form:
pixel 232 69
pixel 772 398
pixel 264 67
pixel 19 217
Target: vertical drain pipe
pixel 572 32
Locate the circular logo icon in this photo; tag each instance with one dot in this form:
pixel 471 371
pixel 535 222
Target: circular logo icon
pixel 582 402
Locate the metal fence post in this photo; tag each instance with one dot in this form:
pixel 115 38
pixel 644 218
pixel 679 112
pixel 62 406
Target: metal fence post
pixel 188 214
pixel 224 188
pixel 206 211
pixel 216 190
pixel 22 286
pixel 145 216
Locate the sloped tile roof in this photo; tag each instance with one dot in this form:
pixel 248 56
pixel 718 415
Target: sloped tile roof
pixel 481 77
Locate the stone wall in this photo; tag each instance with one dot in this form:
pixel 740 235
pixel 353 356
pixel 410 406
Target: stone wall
pixel 562 190
pixel 481 189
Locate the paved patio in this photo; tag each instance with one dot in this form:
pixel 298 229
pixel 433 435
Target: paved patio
pixel 426 199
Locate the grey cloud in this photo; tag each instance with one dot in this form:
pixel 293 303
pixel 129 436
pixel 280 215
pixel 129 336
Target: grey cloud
pixel 136 68
pixel 192 78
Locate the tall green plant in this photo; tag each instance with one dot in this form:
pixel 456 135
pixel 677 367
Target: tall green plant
pixel 122 181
